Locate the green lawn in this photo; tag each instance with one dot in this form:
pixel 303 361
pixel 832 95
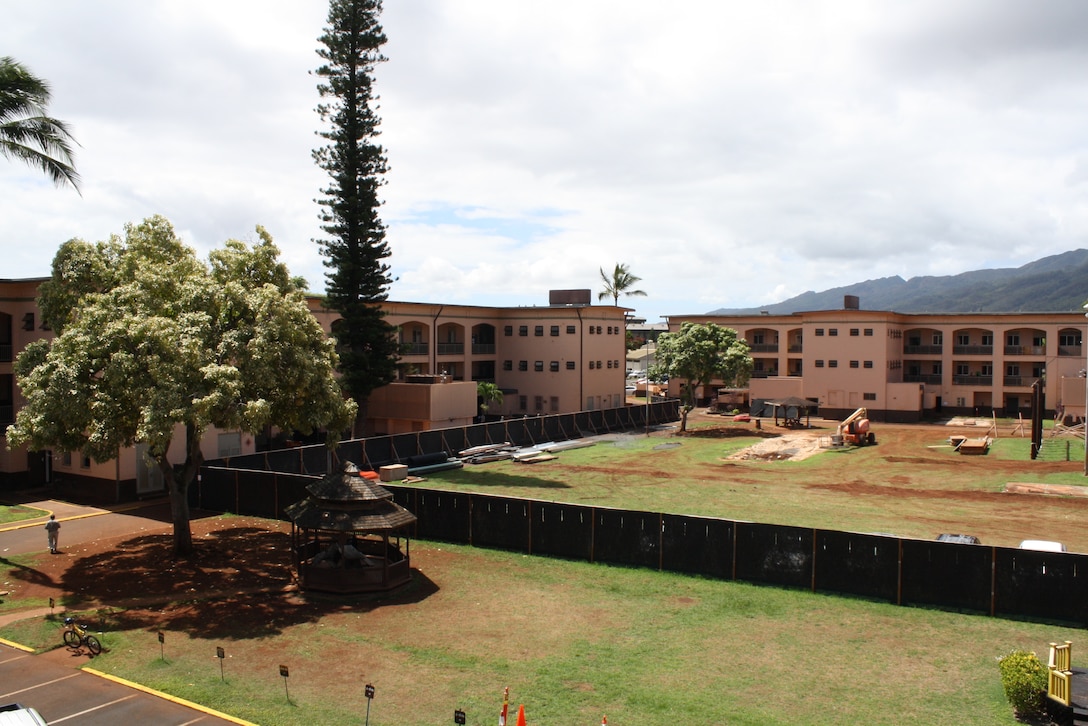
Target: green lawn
pixel 575 641
pixel 19 512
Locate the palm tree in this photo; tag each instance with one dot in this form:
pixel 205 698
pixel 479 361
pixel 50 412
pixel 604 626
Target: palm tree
pixel 488 393
pixel 619 283
pixel 26 133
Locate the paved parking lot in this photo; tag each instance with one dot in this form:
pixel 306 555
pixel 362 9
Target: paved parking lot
pixel 64 694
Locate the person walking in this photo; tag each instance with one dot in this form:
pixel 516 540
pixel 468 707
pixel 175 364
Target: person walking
pixel 52 529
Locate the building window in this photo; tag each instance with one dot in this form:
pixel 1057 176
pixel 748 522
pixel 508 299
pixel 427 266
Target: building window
pixel 987 339
pixel 853 364
pixel 819 332
pixel 508 330
pixel 1012 339
pixel 230 444
pixel 1069 340
pixel 592 330
pixel 523 365
pixel 610 330
pixel 868 332
pixel 508 365
pixel 538 366
pixel 570 365
pixel 538 403
pixel 832 364
pixel 832 331
pixel 538 330
pixel 523 330
pixel 1012 369
pixel 987 369
pixel 962 339
pixel 598 365
pixel 615 364
pixel 598 330
pixel 867 364
pixel 819 364
pixel 937 370
pixel 523 403
pixel 854 332
pixel 555 330
pixel 554 366
pixel 592 365
pixel 66 458
pixel 555 404
pixel 869 396
pixel 571 330
pixel 962 369
pixel 84 462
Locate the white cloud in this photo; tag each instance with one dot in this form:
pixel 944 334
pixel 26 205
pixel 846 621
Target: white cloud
pixel 732 154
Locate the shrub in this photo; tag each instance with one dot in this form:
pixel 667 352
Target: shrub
pixel 1024 678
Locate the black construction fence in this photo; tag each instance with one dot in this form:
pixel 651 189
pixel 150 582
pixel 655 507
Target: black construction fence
pixel 377 451
pixel 996 581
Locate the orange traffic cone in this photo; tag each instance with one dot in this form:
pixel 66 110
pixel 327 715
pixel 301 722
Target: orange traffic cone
pixel 604 720
pixel 521 715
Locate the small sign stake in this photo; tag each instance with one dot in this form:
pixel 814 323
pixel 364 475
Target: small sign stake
pixel 285 673
pixel 221 654
pixel 369 691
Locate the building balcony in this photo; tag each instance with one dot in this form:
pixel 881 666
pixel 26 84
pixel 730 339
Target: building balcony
pixel 483 349
pixel 764 374
pixel 797 348
pixel 1071 350
pixel 1025 350
pixel 923 349
pixel 930 378
pixel 970 380
pixel 451 349
pixel 5 353
pixel 763 347
pixel 414 349
pixel 973 350
pixel 1019 381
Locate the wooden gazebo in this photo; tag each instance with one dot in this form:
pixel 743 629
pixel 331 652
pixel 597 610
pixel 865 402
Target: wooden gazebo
pixel 346 536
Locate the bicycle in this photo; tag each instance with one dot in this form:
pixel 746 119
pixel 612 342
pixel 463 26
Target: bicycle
pixel 76 635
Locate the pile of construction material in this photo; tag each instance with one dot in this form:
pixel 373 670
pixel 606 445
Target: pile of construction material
pixel 519 454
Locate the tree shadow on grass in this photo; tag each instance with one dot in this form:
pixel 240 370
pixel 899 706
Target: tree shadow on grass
pixel 239 583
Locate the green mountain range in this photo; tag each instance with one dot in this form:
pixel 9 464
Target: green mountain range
pixel 1052 284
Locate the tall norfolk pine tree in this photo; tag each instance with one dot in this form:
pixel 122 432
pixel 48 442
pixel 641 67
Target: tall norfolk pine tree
pixel 355 250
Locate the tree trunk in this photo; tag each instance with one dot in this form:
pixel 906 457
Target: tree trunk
pixel 684 418
pixel 177 484
pixel 179 510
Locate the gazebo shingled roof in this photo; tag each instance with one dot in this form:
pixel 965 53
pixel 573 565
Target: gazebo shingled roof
pixel 344 501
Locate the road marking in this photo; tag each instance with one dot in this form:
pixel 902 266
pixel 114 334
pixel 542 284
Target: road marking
pixel 93 708
pixel 6 696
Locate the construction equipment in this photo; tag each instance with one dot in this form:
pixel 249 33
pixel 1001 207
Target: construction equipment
pixel 854 429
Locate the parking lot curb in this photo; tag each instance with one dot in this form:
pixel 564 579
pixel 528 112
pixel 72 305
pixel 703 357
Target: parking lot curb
pixel 168 697
pixel 17 646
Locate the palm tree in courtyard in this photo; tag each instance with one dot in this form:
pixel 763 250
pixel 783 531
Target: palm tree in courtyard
pixel 26 132
pixel 619 283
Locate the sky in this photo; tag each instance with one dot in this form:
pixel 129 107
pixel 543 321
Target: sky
pixel 730 153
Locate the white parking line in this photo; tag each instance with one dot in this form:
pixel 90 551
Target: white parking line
pixel 90 710
pixel 6 696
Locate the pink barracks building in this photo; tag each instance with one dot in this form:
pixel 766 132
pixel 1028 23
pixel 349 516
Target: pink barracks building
pixel 903 366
